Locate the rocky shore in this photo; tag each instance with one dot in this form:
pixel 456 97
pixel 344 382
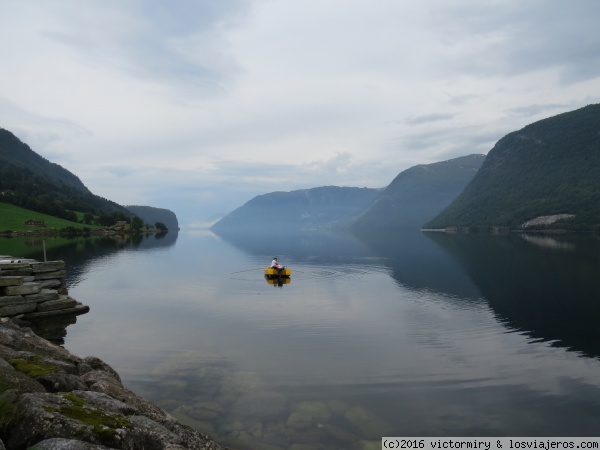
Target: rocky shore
pixel 52 399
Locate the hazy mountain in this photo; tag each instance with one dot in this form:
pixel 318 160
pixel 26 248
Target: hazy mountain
pixel 321 207
pixel 152 215
pixel 417 194
pixel 549 169
pixel 31 181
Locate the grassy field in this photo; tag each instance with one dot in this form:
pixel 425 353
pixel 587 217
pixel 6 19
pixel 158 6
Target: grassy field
pixel 13 218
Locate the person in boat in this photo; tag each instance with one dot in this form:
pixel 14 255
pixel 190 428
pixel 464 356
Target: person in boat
pixel 276 265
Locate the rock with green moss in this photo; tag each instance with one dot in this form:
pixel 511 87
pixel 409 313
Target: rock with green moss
pixel 50 398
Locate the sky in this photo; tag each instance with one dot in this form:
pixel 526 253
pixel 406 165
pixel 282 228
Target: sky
pixel 198 106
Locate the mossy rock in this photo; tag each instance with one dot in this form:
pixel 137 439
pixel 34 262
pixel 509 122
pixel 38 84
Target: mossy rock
pixel 33 367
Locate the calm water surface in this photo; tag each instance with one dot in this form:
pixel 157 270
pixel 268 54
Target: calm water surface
pixel 405 335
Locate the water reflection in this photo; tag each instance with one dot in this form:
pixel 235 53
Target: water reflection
pixel 376 333
pixel 79 254
pixel 277 281
pixel 545 286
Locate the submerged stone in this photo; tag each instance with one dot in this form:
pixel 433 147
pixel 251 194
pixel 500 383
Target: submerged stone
pixel 367 424
pixel 299 420
pixel 366 445
pixel 318 411
pixel 259 406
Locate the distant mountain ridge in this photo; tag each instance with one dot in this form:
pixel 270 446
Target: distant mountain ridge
pixel 321 207
pixel 418 194
pixel 546 175
pixel 414 196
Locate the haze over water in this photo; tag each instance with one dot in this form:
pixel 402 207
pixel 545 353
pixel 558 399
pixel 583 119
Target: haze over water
pixel 411 335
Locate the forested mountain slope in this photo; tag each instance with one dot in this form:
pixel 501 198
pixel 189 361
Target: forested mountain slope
pixel 152 215
pixel 30 181
pixel 548 168
pixel 418 194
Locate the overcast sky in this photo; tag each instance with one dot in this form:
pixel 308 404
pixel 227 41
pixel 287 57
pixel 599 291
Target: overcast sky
pixel 199 105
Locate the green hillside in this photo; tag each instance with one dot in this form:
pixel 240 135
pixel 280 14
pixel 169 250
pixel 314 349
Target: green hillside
pixel 548 168
pixel 13 218
pixel 417 194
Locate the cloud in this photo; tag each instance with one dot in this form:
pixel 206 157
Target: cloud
pixel 203 105
pixel 514 37
pixel 428 118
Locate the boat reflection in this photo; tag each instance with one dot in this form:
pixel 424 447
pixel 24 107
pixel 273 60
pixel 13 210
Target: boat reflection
pixel 277 281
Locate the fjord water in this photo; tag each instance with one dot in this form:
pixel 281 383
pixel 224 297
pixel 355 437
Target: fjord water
pixel 413 334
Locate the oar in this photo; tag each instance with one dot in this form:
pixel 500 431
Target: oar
pixel 241 271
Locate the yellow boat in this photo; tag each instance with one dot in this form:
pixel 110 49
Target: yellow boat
pixel 274 273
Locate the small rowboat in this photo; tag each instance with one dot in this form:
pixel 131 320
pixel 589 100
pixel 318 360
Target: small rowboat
pixel 270 272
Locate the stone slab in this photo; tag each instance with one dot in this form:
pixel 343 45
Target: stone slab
pixel 75 311
pixel 49 275
pixel 11 281
pixel 48 266
pixel 52 283
pixel 8 300
pixel 13 310
pixel 23 289
pixel 53 305
pixel 7 264
pixel 17 272
pixel 44 295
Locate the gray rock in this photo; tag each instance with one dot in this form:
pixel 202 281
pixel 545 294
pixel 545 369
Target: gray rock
pixel 54 283
pixel 56 303
pixel 45 295
pixel 9 300
pixel 68 444
pixel 11 281
pixel 98 413
pixel 16 309
pixel 13 264
pixel 97 364
pixel 61 382
pixel 49 275
pixel 100 381
pixel 48 266
pixel 17 381
pixel 22 289
pixel 149 435
pixel 45 416
pixel 76 310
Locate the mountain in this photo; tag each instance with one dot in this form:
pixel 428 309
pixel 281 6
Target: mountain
pixel 417 194
pixel 30 181
pixel 321 207
pixel 152 215
pixel 16 154
pixel 546 175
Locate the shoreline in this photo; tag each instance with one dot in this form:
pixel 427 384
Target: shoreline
pixel 52 399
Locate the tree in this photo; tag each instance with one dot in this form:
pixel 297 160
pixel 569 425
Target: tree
pixel 161 227
pixel 136 224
